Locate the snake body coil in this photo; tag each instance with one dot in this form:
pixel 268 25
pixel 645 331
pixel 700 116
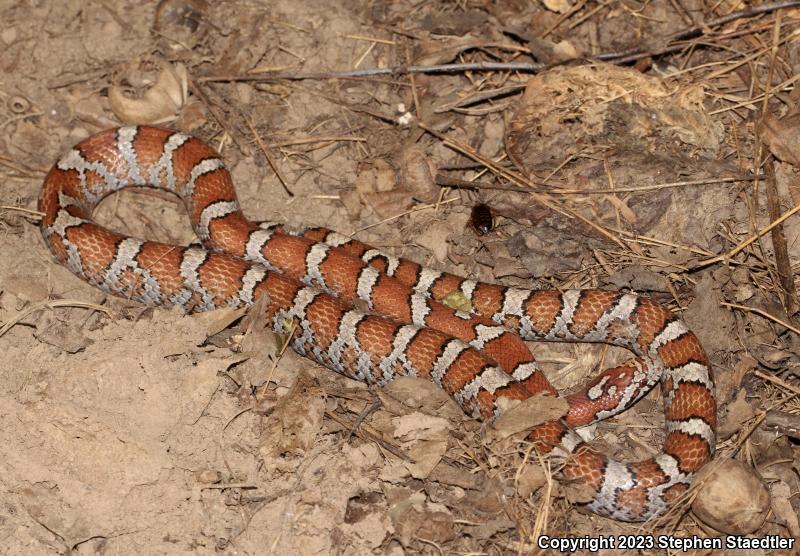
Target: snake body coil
pixel 314 277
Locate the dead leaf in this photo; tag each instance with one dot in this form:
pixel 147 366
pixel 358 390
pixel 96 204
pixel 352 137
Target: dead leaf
pixel 418 426
pixel 434 238
pixel 450 475
pixel 66 336
pixel 437 527
pixel 406 394
pixel 426 455
pixel 424 438
pixel 738 412
pixel 713 324
pixel 259 337
pixel 293 425
pixel 782 135
pixel 526 414
pixel 578 492
pixel 415 174
pixel 782 507
pixel 214 322
pixel 531 478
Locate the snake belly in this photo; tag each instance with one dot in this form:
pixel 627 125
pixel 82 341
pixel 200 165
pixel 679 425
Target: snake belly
pixel 372 317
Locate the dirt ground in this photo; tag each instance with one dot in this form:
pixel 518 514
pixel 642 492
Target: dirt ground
pixel 127 430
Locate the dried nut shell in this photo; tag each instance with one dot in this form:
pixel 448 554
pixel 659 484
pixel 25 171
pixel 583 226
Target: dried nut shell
pixel 159 104
pixel 732 498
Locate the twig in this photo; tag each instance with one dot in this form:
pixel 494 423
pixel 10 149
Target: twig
pixel 747 12
pixel 369 410
pixel 50 305
pixel 563 17
pixel 634 54
pixel 320 139
pixel 413 81
pixel 619 57
pixel 519 180
pixel 782 265
pixel 525 67
pixel 779 381
pixel 35 213
pixel 404 213
pixel 480 96
pixel 726 256
pixel 785 423
pixel 765 315
pixel 25 171
pixel 556 189
pixel 368 435
pixel 265 150
pixel 220 119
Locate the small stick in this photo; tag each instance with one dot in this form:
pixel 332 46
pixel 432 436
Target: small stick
pixel 780 382
pixel 782 264
pixel 726 256
pixel 413 81
pixel 220 119
pixel 370 436
pixel 785 423
pixel 520 180
pixel 369 410
pixel 18 167
pixel 556 189
pixel 524 67
pixel 265 149
pixel 409 211
pixel 52 304
pixel 747 12
pixel 35 213
pixel 765 315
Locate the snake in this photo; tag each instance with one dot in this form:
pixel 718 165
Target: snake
pixel 373 317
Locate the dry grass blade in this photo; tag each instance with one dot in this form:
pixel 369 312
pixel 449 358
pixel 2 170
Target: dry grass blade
pixel 404 213
pixel 725 257
pixel 265 151
pixel 517 179
pixel 557 189
pixel 51 305
pixel 780 382
pixel 34 213
pixel 783 265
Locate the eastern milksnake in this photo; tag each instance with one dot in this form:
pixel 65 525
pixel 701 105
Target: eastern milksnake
pixel 313 277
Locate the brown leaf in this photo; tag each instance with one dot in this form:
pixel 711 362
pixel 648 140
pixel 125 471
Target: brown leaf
pixel 736 414
pixel 530 479
pixel 782 136
pixel 214 322
pixel 406 394
pixel 782 507
pixel 296 420
pixel 526 414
